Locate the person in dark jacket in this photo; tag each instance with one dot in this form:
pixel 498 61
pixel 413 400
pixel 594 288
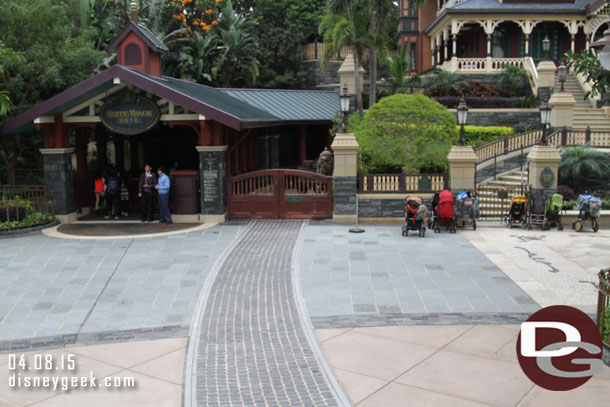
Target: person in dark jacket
pixel 146 192
pixel 112 193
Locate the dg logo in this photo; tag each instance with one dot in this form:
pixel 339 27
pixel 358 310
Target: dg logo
pixel 559 348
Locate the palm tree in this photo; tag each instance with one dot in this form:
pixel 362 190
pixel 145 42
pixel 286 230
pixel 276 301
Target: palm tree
pixel 236 61
pixel 5 103
pixel 350 28
pixel 444 83
pixel 513 81
pixel 398 64
pixel 380 15
pixel 582 162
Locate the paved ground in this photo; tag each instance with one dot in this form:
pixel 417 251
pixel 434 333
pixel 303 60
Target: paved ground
pixel 157 368
pixel 459 365
pixel 381 272
pixel 552 267
pixel 253 346
pixel 53 286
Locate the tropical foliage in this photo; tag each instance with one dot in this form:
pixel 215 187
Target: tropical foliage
pixel 398 65
pixel 5 103
pixel 583 168
pixel 410 132
pixel 478 136
pixel 513 81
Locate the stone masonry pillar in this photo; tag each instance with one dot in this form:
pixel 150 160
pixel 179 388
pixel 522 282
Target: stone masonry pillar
pixel 544 163
pixel 57 163
pixel 462 160
pixel 562 114
pixel 546 78
pixel 345 181
pixel 212 167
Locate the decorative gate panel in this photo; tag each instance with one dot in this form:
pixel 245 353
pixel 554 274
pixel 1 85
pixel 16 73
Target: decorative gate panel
pixel 280 194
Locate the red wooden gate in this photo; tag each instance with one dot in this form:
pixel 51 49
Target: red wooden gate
pixel 280 194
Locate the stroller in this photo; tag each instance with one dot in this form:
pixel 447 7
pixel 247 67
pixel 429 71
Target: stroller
pixel 443 209
pixel 537 212
pixel 415 216
pixel 589 208
pixel 467 209
pixel 516 213
pixel 552 214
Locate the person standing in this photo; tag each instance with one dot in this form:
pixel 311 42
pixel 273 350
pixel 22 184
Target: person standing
pixel 112 194
pixel 162 188
pixel 99 191
pixel 146 191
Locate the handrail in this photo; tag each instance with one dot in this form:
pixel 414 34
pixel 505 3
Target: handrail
pixel 530 66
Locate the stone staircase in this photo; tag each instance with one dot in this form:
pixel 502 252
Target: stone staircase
pixel 487 193
pixel 584 114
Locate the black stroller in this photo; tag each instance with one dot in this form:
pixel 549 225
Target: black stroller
pixel 415 216
pixel 537 212
pixel 517 212
pixel 589 208
pixel 467 210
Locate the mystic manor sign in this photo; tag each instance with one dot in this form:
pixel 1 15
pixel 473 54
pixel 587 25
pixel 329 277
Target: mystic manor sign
pixel 130 114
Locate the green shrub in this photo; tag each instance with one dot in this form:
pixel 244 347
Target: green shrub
pixel 569 205
pixel 478 136
pixel 606 204
pixel 410 131
pixel 606 333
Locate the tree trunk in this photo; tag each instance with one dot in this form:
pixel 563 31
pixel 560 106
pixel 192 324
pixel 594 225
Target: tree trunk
pixel 372 76
pixel 357 84
pixel 11 171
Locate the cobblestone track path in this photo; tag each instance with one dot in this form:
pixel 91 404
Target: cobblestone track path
pixel 253 348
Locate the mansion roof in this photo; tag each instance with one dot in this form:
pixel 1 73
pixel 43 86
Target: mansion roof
pixel 577 5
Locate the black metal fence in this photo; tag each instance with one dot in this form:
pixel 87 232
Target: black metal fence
pixel 25 206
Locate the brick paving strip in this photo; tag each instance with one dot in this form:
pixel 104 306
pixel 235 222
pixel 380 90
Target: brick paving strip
pixel 253 342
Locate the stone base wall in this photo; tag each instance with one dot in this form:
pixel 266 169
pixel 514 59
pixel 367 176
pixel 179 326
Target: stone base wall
pixel 381 208
pixel 318 78
pixel 507 119
pixel 345 190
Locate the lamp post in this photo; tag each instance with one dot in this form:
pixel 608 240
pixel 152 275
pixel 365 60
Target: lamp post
pixel 545 119
pixel 462 113
pixel 604 50
pixel 345 98
pixel 546 47
pixel 562 72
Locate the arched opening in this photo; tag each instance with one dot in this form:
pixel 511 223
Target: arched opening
pixel 133 54
pixel 471 42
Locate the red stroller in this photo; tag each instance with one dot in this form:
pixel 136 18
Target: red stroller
pixel 443 212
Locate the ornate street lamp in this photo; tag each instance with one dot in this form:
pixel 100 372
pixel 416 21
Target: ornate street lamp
pixel 546 47
pixel 462 113
pixel 604 50
pixel 345 98
pixel 562 72
pixel 545 119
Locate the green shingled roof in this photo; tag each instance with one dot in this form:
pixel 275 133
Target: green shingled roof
pixel 291 105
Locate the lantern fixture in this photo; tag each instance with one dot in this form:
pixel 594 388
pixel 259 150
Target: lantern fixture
pixel 345 99
pixel 546 47
pixel 462 113
pixel 545 119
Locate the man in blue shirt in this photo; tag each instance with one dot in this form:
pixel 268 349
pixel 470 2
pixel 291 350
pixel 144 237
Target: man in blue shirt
pixel 162 187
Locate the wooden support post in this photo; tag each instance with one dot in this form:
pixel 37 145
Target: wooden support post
pixel 564 136
pixel 100 142
pixel 302 145
pixel 506 144
pixel 205 133
pixel 588 134
pixel 134 154
pixel 82 139
pixel 119 151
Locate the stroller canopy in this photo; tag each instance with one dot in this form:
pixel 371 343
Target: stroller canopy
pixel 445 204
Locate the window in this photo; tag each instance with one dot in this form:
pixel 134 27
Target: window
pixel 133 54
pixel 413 57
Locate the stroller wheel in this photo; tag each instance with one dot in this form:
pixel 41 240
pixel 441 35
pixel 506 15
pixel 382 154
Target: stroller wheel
pixel 573 225
pixel 578 226
pixel 560 227
pixel 510 224
pixel 474 224
pixel 594 225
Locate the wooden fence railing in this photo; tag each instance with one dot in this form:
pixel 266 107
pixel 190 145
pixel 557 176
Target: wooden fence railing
pixel 23 206
pixel 557 138
pixel 315 50
pixel 402 183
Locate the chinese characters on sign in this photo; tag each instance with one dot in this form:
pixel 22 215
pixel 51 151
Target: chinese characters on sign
pixel 130 114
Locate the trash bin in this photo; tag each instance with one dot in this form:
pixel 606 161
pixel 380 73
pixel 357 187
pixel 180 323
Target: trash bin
pixel 185 192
